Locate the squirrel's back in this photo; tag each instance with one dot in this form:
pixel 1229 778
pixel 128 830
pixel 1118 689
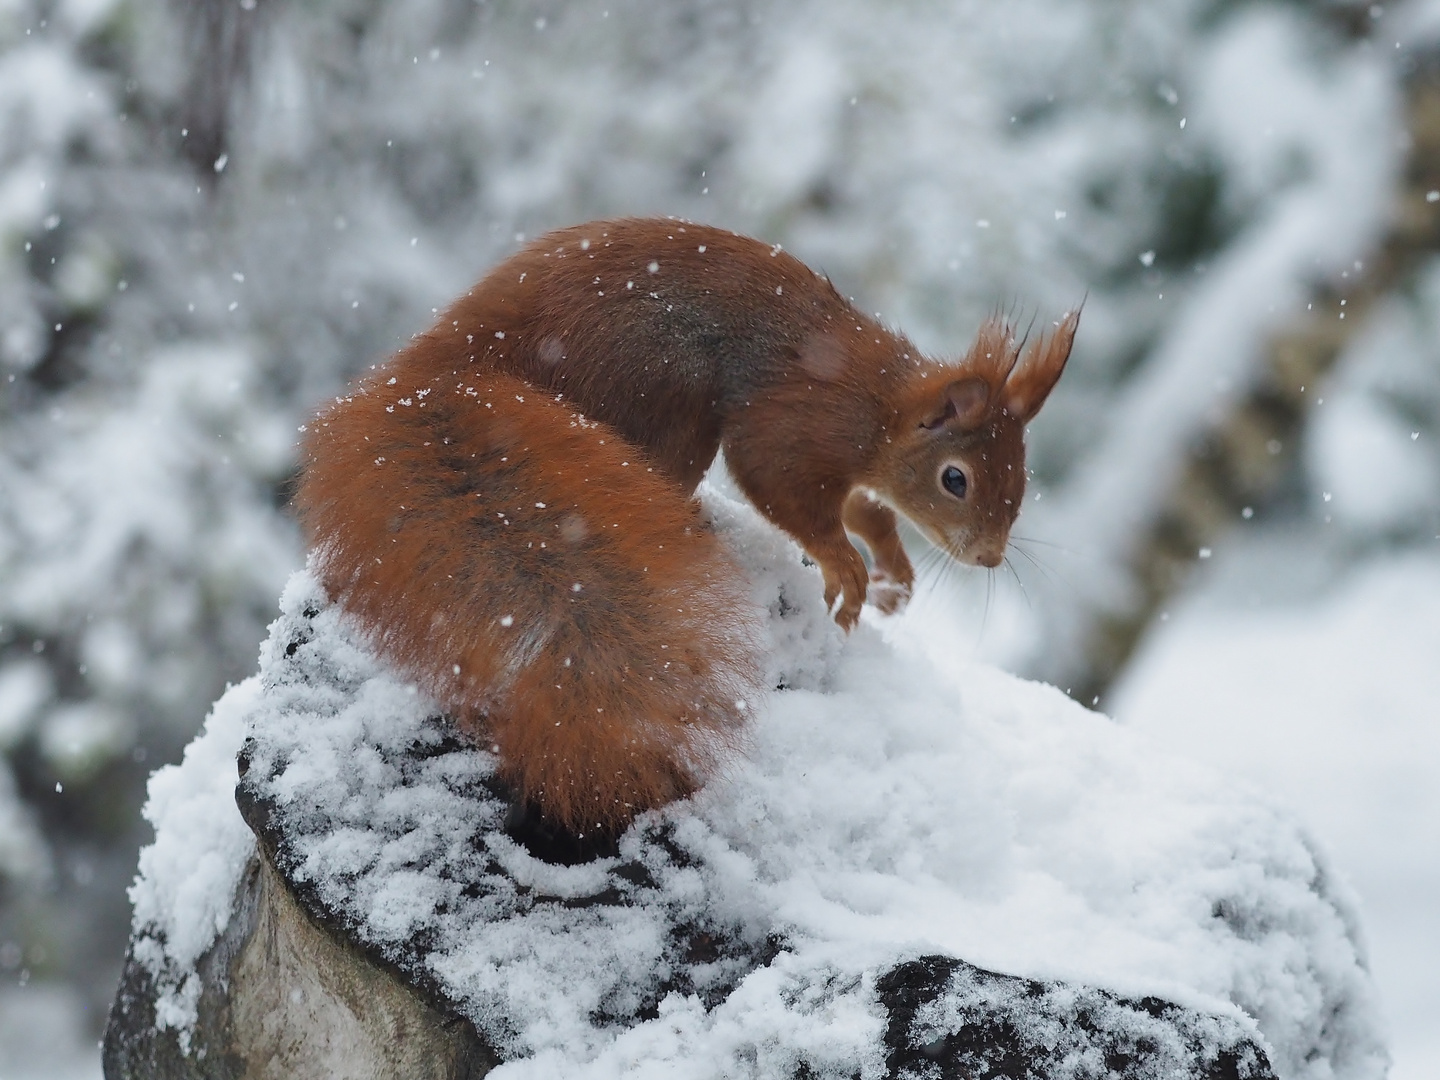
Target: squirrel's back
pixel 665 330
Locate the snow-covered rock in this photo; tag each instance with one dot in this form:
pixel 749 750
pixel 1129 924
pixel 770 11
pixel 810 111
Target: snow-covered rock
pixel 816 910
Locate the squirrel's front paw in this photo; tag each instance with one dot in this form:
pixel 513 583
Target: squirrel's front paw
pixel 848 615
pixel 851 601
pixel 850 589
pixel 845 580
pixel 889 596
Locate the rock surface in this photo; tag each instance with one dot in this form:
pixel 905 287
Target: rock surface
pixel 288 993
pixel 294 989
pixel 282 997
pixel 805 915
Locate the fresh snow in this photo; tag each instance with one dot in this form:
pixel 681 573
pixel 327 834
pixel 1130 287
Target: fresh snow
pixel 1331 703
pixel 890 804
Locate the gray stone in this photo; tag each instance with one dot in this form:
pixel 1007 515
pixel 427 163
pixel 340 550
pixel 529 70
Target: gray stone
pixel 285 999
pixel 287 995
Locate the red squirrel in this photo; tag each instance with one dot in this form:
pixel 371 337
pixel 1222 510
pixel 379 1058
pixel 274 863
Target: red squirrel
pixel 505 505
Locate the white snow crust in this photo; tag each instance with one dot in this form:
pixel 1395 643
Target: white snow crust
pixel 1326 696
pixel 890 805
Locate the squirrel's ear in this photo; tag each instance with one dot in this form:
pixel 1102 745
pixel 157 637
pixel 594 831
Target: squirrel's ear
pixel 1035 376
pixel 964 403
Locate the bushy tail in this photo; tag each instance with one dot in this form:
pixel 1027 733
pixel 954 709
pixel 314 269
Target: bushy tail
pixel 529 570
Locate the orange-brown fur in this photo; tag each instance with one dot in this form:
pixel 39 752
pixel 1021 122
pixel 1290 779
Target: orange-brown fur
pixel 505 504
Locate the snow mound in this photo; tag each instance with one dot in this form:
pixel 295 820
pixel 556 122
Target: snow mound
pixel 889 809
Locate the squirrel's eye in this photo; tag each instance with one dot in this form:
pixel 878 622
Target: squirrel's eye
pixel 953 481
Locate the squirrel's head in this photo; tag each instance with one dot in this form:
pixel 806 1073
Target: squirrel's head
pixel 955 461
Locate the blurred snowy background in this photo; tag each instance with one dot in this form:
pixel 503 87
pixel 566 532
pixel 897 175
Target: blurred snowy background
pixel 212 212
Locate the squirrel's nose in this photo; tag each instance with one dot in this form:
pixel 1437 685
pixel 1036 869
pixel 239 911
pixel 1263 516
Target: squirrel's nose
pixel 985 552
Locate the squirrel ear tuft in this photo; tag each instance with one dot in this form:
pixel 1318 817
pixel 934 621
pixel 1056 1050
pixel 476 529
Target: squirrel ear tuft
pixel 1031 381
pixel 968 400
